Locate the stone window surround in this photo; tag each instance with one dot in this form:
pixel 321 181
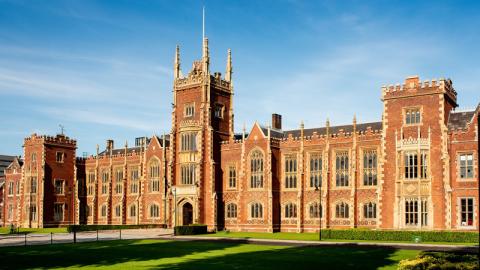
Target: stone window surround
pixel 227 181
pixel 186 109
pixel 249 205
pixel 404 116
pixel 363 149
pixel 457 165
pixel 236 210
pixel 320 153
pixel 333 177
pixel 283 185
pixel 459 212
pixel 249 169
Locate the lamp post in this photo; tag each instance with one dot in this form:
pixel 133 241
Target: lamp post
pixel 318 187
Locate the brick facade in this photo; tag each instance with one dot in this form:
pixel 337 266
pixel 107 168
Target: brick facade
pixel 415 169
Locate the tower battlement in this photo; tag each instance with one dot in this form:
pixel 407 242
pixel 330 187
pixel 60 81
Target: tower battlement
pixel 58 139
pixel 414 86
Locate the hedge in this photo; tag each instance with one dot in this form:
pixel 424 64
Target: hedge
pixel 190 229
pixel 82 228
pixel 422 236
pixel 441 260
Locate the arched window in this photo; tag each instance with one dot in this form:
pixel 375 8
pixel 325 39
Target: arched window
pixel 231 210
pixel 89 211
pixel 256 169
pixel 291 171
pixel 290 210
pixel 118 210
pixel 370 210
pixel 104 211
pixel 154 176
pixel 154 211
pixel 133 210
pixel 341 210
pixel 315 210
pixel 256 210
pixel 341 166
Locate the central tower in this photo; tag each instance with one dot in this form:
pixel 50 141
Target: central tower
pixel 202 117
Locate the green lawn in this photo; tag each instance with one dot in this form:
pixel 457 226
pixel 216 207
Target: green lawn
pixel 35 230
pixel 309 237
pixel 162 254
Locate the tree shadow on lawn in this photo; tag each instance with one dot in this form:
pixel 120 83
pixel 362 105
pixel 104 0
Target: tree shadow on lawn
pixel 104 253
pixel 299 257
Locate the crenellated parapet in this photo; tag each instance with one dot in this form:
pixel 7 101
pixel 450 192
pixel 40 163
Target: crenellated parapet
pixel 413 86
pixel 58 139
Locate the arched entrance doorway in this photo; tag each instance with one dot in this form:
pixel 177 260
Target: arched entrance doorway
pixel 187 211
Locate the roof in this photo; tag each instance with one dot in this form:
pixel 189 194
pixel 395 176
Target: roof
pixel 460 120
pixel 5 161
pixel 121 151
pixel 333 129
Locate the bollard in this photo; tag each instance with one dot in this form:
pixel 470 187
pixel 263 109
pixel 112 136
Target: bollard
pixel 51 238
pixel 74 236
pixel 97 235
pixel 120 234
pixel 25 239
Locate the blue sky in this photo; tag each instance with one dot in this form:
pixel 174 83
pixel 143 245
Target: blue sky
pixel 103 69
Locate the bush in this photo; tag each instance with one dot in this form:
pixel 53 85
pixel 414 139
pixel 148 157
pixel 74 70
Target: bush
pixel 82 228
pixel 424 236
pixel 441 260
pixel 190 229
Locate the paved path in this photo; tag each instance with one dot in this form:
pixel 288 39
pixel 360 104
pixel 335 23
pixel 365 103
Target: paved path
pixel 167 234
pixel 57 238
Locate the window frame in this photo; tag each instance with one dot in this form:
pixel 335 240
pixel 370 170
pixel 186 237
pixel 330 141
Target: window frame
pixel 62 186
pixel 406 115
pixel 342 207
pixel 218 107
pixel 252 210
pixel 232 177
pixel 189 109
pixel 371 172
pixel 315 176
pixel 290 171
pixel 55 214
pixel 257 160
pixel 459 166
pixel 342 171
pixel 62 156
pixel 231 211
pixel 472 212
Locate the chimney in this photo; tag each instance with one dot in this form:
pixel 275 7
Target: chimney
pixel 109 145
pixel 412 81
pixel 276 121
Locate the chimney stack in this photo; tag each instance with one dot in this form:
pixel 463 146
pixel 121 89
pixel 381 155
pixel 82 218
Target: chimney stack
pixel 109 145
pixel 276 121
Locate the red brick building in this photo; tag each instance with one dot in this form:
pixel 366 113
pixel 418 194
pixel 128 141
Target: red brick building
pixel 417 168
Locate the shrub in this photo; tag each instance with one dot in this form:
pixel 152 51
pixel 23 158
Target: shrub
pixel 190 229
pixel 82 228
pixel 441 260
pixel 424 236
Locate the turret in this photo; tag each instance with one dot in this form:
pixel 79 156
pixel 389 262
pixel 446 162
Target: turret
pixel 177 71
pixel 228 73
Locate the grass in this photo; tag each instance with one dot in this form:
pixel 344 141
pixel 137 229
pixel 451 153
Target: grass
pixel 5 230
pixel 162 254
pixel 311 237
